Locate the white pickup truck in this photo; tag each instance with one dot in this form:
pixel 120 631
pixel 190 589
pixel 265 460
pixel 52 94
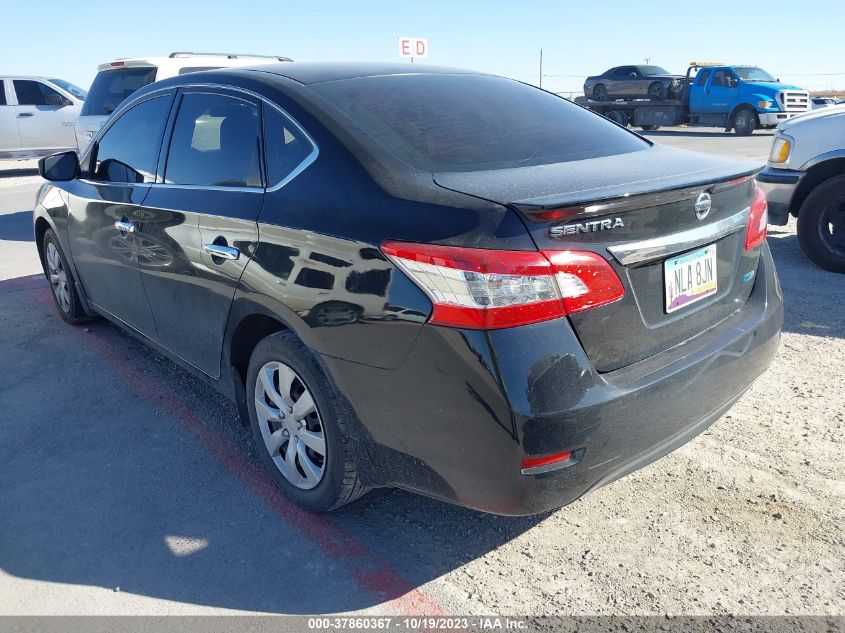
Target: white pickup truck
pixel 805 178
pixel 38 116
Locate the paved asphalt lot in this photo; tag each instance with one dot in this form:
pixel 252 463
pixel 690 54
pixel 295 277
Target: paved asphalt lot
pixel 126 486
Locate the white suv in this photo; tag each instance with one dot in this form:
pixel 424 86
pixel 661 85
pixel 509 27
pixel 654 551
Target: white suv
pixel 116 80
pixel 805 178
pixel 37 116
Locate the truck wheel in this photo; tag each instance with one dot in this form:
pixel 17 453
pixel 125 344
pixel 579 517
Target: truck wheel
pixel 656 91
pixel 745 122
pixel 618 117
pixel 599 93
pixel 650 128
pixel 821 225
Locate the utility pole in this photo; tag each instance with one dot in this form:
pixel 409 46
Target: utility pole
pixel 541 68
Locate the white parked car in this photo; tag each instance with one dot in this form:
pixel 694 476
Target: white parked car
pixel 805 178
pixel 116 80
pixel 37 116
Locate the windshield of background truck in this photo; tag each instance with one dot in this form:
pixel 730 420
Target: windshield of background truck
pixel 752 73
pixel 112 87
pixel 76 91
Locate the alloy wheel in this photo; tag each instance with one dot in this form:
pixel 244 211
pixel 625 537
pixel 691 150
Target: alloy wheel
pixel 290 425
pixel 58 277
pixel 656 92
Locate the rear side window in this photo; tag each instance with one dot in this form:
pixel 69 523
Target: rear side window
pixel 215 142
pixel 286 146
pixel 35 93
pixel 474 122
pixel 128 151
pixel 113 87
pixel 701 79
pixel 2 92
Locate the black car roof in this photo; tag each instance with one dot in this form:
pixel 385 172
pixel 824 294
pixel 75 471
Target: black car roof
pixel 318 72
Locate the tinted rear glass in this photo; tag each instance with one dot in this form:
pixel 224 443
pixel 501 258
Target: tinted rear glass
pixel 474 122
pixel 112 87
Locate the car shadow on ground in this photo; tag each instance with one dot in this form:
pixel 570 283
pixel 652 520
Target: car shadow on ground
pixel 17 227
pixel 129 473
pixel 812 296
pixel 18 172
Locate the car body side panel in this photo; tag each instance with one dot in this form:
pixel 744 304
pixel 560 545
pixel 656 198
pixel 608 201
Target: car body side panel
pixel 189 293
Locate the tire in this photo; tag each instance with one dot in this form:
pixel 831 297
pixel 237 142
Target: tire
pixel 821 225
pixel 745 122
pixel 292 374
pixel 62 283
pixel 618 117
pixel 650 128
pixel 656 91
pixel 599 92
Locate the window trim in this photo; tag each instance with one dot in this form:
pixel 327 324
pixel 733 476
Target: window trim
pixel 132 102
pixel 113 119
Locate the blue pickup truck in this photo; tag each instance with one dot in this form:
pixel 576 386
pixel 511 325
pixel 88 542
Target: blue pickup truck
pixel 738 98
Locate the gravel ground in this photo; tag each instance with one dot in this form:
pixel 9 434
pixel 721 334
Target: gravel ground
pixel 745 519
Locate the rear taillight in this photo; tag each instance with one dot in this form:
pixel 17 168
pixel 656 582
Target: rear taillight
pixel 755 234
pixel 118 64
pixel 490 289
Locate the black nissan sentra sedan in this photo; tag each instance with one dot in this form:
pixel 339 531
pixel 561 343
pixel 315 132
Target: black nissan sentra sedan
pixel 439 280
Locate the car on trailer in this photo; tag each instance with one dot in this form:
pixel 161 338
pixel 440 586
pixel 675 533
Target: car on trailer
pixel 738 98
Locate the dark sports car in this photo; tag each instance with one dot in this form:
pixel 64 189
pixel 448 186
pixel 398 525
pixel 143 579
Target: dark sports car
pixel 633 82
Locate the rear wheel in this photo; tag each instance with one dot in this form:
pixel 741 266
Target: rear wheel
pixel 821 225
pixel 618 117
pixel 300 425
pixel 61 280
pixel 656 91
pixel 745 122
pixel 600 93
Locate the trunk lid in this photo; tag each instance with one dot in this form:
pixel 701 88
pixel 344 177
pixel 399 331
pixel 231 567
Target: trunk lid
pixel 638 210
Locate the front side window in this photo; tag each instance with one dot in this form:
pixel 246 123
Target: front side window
pixel 723 78
pixel 128 151
pixel 285 144
pixel 34 93
pixel 215 142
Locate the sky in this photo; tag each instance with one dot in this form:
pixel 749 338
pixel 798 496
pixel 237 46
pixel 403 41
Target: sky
pixel 797 42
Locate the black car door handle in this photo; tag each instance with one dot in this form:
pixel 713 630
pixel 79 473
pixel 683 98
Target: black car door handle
pixel 223 252
pixel 23 114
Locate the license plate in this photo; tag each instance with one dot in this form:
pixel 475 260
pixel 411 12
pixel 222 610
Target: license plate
pixel 689 278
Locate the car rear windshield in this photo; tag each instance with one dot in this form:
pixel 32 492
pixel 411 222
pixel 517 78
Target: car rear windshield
pixel 444 122
pixel 112 87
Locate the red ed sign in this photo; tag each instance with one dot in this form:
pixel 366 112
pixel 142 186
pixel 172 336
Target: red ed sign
pixel 413 47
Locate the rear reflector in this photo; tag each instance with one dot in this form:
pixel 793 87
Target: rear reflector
pixel 758 219
pixel 546 463
pixel 491 289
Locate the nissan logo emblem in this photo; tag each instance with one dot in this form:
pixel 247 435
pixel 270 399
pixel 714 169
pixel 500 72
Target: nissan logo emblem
pixel 702 205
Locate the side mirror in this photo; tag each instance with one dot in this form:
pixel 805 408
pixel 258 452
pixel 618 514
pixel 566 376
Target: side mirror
pixel 57 100
pixel 59 167
pixel 632 75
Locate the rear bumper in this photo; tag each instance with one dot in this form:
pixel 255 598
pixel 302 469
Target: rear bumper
pixel 780 186
pixel 457 419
